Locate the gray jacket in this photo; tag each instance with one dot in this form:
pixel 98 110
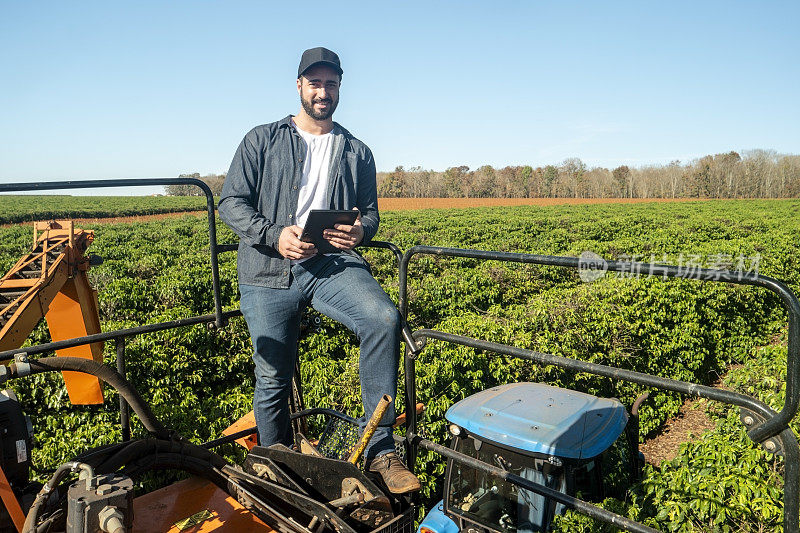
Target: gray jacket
pixel 259 196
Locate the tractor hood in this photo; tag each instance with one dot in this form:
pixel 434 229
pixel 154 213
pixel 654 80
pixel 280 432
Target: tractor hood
pixel 538 418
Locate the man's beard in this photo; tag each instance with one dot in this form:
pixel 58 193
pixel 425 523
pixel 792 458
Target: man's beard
pixel 308 107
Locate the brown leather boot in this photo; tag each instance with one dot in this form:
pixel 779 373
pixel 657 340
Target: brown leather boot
pixel 397 477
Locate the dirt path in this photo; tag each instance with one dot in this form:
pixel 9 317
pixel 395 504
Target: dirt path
pixel 116 220
pixel 405 204
pixel 138 218
pixel 689 424
pixel 410 204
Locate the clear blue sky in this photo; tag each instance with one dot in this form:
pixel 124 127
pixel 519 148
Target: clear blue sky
pixel 112 89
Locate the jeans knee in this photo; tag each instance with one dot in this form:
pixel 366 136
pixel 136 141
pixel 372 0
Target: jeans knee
pixel 391 317
pixel 384 318
pixel 275 386
pixel 270 378
pixel 274 362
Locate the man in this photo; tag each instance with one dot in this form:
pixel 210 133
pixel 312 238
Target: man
pixel 279 173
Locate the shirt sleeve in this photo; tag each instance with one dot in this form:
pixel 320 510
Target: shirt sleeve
pixel 368 197
pixel 239 197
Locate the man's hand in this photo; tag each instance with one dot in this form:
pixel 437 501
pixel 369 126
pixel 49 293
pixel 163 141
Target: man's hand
pixel 291 247
pixel 344 236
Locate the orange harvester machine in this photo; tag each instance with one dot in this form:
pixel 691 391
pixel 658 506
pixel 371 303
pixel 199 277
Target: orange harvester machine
pixel 50 282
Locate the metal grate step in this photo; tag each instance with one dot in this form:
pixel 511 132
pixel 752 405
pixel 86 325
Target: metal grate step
pixel 9 295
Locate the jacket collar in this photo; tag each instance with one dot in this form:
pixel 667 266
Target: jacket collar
pixel 287 123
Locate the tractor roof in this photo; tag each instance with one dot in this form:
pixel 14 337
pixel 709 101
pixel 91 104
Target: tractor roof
pixel 538 418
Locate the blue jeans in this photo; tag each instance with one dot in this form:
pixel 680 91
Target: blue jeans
pixel 341 287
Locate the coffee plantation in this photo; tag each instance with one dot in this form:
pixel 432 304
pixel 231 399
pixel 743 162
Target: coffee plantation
pixel 200 380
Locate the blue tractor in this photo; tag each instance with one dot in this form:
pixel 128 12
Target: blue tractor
pixel 552 436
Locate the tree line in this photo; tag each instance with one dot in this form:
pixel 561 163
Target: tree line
pixel 751 174
pixel 214 182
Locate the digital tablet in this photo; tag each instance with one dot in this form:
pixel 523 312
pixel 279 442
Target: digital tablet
pixel 321 219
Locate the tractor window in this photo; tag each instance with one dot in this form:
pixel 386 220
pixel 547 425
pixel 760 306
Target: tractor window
pixel 491 502
pixel 588 483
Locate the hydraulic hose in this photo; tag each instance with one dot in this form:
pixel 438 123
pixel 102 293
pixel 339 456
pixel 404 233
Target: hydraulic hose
pixel 139 449
pixel 134 458
pixel 166 451
pixel 108 375
pixel 172 461
pixel 44 494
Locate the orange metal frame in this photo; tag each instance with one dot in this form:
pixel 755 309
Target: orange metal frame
pixel 10 501
pixel 192 505
pixel 50 281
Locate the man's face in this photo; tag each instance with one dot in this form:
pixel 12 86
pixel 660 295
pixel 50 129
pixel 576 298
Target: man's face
pixel 319 91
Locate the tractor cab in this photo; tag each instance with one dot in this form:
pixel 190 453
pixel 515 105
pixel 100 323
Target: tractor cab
pixel 548 435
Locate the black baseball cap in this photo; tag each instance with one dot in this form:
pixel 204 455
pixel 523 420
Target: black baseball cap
pixel 315 56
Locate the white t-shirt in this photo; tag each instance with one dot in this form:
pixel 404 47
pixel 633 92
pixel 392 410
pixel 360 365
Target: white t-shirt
pixel 314 183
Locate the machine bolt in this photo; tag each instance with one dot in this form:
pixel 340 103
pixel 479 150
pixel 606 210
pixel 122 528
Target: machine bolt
pixel 22 364
pixel 748 420
pixel 111 519
pixel 770 446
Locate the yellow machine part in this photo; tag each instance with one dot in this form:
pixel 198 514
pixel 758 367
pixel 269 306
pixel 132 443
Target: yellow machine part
pixel 50 281
pixel 33 305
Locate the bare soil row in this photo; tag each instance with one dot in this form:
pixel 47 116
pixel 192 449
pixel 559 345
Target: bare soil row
pixel 404 204
pixel 410 204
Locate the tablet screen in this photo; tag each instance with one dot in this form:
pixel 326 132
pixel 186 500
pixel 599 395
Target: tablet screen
pixel 321 219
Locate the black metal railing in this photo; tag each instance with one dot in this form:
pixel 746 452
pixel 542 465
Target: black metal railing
pixel 142 182
pixel 771 427
pixel 119 336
